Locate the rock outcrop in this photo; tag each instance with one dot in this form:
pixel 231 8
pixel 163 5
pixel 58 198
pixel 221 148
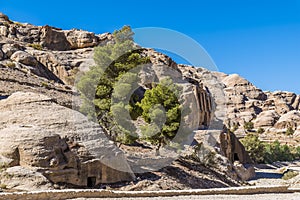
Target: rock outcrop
pixel 47 51
pixel 243 102
pixel 58 143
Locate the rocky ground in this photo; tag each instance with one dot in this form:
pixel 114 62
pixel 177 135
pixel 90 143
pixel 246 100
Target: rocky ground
pixel 271 174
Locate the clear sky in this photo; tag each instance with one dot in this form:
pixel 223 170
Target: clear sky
pixel 258 39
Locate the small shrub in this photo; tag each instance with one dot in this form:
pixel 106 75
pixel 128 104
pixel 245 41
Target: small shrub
pixel 3 186
pixel 254 147
pixel 6 24
pixel 234 128
pixel 248 126
pixel 36 46
pixel 289 131
pixel 45 84
pixel 204 155
pixel 260 130
pixel 290 175
pixel 10 64
pixel 3 166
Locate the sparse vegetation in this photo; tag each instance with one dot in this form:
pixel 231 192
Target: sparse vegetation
pixel 262 152
pixel 203 155
pixel 10 64
pixel 248 126
pixel 234 128
pixel 3 166
pixel 289 175
pixel 36 46
pixel 3 186
pixel 6 24
pixel 260 130
pixel 290 131
pixel 45 84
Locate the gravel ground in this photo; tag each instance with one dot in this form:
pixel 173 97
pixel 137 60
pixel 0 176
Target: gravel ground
pixel 292 196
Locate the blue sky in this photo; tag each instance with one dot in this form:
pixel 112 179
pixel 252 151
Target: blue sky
pixel 259 40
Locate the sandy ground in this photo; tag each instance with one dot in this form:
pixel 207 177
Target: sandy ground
pixel 272 174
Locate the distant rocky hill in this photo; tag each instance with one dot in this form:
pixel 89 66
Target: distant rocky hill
pixel 41 63
pixel 274 112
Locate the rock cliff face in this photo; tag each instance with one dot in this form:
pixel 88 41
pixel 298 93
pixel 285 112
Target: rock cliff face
pixel 243 102
pixel 46 51
pixel 58 143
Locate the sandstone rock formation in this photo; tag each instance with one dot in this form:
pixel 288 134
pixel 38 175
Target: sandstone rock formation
pixel 48 48
pixel 58 143
pixel 273 111
pixel 45 60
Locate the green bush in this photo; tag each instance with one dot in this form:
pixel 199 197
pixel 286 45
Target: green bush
pixel 262 152
pixel 10 64
pixel 290 131
pixel 234 128
pixel 36 46
pixel 248 126
pixel 3 186
pixel 289 175
pixel 254 147
pixel 260 130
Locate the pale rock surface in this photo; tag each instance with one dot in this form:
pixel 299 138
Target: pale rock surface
pixel 290 119
pixel 35 132
pixel 266 119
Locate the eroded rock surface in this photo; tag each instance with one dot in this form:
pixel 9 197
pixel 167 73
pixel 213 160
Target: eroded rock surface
pixel 59 143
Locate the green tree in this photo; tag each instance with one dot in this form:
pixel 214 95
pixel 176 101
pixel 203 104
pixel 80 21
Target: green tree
pixel 98 75
pixel 161 110
pixel 111 76
pixel 254 147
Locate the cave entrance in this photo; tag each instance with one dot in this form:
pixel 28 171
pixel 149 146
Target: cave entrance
pixel 91 182
pixel 236 157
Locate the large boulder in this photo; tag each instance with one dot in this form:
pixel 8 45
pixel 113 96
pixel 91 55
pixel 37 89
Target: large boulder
pixel 290 119
pixel 266 119
pixel 3 17
pixel 81 39
pixel 244 172
pixel 37 133
pixel 243 86
pixel 10 49
pixel 54 39
pixel 24 58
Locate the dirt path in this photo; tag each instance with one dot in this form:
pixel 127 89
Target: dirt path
pixel 272 174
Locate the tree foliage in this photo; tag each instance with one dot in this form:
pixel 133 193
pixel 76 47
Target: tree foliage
pixel 161 110
pixel 262 152
pixel 254 147
pixel 248 126
pixel 113 63
pixel 105 88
